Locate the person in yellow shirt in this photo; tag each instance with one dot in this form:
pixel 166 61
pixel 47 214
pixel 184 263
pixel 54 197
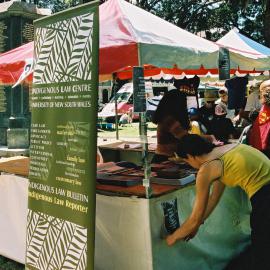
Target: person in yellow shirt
pixel 196 127
pixel 229 165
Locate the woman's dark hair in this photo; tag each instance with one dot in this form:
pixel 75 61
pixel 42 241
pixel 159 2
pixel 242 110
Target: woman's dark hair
pixel 174 104
pixel 193 145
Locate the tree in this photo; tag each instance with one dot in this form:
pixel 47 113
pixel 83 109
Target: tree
pixel 187 14
pixel 56 5
pixel 261 11
pixel 267 23
pixel 212 19
pixel 215 18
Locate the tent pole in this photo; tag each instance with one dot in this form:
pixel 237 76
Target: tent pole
pixel 115 88
pixel 144 141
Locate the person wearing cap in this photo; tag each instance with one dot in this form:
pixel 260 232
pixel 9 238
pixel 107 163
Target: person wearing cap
pixel 207 111
pixel 223 100
pixel 221 127
pixel 259 135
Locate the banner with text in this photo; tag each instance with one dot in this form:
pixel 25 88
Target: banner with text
pixel 61 197
pixel 224 64
pixel 139 100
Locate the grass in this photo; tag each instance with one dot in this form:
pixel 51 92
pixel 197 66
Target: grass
pixel 7 264
pixel 128 131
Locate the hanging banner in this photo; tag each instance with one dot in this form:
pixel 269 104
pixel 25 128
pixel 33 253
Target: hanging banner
pixel 139 102
pixel 224 64
pixel 171 219
pixel 189 86
pixel 61 210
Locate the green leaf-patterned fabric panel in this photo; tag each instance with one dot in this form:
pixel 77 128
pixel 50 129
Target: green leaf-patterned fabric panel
pixel 53 243
pixel 63 51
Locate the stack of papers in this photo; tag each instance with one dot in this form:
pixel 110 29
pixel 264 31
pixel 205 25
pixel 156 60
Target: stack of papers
pixel 109 167
pixel 174 182
pixel 118 180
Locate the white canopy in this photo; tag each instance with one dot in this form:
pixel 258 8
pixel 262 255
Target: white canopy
pixel 245 53
pixel 151 40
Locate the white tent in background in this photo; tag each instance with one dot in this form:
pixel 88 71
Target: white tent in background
pixel 245 53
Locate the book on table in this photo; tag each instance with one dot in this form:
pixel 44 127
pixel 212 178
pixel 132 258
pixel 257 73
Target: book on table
pixel 118 180
pixel 185 180
pixel 126 175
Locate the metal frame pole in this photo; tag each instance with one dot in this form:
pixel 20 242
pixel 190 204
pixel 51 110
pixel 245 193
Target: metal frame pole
pixel 115 88
pixel 145 161
pixel 144 141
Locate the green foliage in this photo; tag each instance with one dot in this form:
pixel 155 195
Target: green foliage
pixel 253 25
pixel 57 5
pixel 7 264
pixel 212 19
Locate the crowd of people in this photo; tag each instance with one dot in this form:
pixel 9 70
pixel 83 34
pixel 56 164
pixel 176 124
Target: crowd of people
pixel 201 137
pixel 213 120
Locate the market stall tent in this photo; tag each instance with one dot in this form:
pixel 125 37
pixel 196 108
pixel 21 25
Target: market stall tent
pixel 131 36
pixel 245 53
pixel 14 62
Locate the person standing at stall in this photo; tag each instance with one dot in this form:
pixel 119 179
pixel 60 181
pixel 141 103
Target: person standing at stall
pixel 173 123
pixel 207 111
pixel 223 100
pixel 221 126
pixel 253 105
pixel 229 165
pixel 171 117
pixel 259 134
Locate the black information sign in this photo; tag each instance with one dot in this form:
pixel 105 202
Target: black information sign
pixel 224 64
pixel 171 218
pixel 139 102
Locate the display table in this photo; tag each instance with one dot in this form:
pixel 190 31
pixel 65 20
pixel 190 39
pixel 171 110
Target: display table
pixel 128 228
pixel 118 152
pixel 13 214
pixel 7 152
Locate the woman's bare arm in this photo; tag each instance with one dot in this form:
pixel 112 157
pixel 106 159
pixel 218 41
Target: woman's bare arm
pixel 177 130
pixel 217 191
pixel 203 205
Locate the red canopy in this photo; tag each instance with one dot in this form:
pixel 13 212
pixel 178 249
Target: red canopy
pixel 12 63
pixel 152 71
pixel 130 36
